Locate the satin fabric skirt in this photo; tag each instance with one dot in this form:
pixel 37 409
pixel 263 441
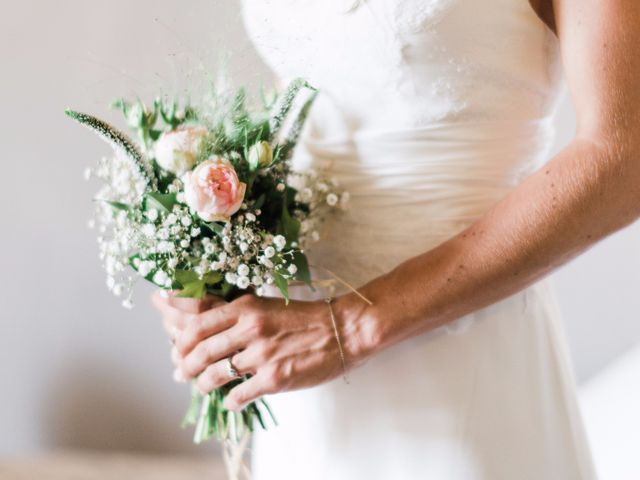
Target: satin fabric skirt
pixel 491 398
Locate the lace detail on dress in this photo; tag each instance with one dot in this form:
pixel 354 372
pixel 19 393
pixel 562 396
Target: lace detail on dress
pixel 411 18
pixel 430 111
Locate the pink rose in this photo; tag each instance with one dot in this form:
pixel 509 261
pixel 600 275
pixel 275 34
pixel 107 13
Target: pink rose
pixel 176 151
pixel 213 190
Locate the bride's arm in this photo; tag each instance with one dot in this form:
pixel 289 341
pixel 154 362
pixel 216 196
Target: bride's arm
pixel 585 193
pixel 588 191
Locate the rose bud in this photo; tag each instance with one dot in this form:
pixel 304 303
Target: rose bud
pixel 260 155
pixel 177 150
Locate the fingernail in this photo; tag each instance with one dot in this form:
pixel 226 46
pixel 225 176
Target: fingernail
pixel 175 355
pixel 178 376
pixel 164 294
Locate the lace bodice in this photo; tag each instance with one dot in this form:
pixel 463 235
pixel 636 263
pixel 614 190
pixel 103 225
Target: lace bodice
pixel 430 111
pixel 413 62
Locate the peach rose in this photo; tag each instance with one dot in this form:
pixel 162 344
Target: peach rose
pixel 213 190
pixel 176 150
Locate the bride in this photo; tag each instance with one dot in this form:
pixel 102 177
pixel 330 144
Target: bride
pixel 436 116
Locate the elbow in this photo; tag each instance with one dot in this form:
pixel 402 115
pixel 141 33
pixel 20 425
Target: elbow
pixel 612 159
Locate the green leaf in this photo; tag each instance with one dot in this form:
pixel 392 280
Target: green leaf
pixel 284 151
pixel 155 134
pixel 225 290
pixel 119 141
pixel 150 275
pixel 303 274
pixel 115 205
pixel 266 405
pixel 282 285
pixel 286 103
pixel 259 202
pixel 186 276
pixel 192 290
pixel 212 278
pixel 168 113
pixel 192 285
pixel 214 227
pixel 204 421
pixel 162 202
pixel 191 417
pixel 290 227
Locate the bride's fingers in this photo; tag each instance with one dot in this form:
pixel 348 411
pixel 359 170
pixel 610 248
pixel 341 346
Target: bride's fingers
pixel 174 320
pixel 162 299
pixel 177 311
pixel 263 383
pixel 175 357
pixel 250 359
pixel 204 325
pixel 178 376
pixel 186 305
pixel 215 376
pixel 193 305
pixel 172 331
pixel 209 351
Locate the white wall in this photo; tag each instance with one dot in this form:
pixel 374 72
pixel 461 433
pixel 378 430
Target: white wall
pixel 77 369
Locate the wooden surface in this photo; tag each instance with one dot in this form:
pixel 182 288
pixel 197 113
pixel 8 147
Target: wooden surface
pixel 111 466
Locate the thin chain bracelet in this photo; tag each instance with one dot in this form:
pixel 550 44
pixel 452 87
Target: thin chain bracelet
pixel 328 301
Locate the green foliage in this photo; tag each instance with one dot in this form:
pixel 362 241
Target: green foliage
pixel 145 122
pixel 192 285
pixel 214 227
pixel 286 104
pixel 118 141
pixel 116 205
pixel 133 259
pixel 285 149
pixel 163 202
pixel 283 285
pixel 192 290
pixel 289 227
pixel 303 274
pixel 212 420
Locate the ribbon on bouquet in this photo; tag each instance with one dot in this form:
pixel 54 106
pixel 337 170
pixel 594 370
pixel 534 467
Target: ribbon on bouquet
pixel 336 278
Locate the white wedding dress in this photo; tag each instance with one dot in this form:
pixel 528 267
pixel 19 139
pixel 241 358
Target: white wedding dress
pixel 430 112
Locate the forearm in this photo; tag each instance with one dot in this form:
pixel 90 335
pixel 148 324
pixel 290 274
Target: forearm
pixel 582 195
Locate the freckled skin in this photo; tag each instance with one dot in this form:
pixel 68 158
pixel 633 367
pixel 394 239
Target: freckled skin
pixel 586 192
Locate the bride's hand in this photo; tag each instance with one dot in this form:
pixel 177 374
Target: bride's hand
pixel 173 320
pixel 281 347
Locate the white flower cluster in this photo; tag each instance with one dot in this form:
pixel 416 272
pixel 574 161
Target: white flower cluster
pixel 117 232
pixel 122 182
pixel 165 243
pixel 318 196
pixel 161 243
pixel 245 254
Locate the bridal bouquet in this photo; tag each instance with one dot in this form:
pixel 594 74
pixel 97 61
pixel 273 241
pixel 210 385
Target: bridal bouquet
pixel 206 202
